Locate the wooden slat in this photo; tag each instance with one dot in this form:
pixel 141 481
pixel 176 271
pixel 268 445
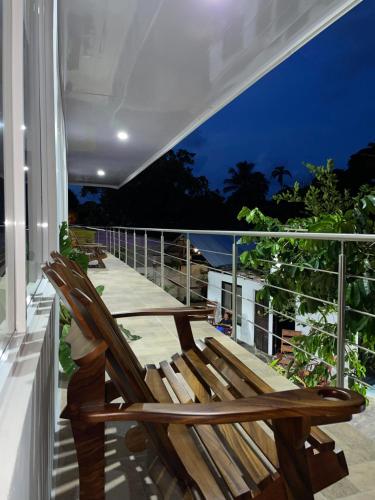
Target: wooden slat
pixel 183 443
pixel 262 439
pixel 209 377
pixel 250 459
pixel 156 386
pixel 254 380
pixel 196 386
pixel 178 388
pixel 321 440
pixel 228 469
pixel 253 429
pixel 317 438
pixel 194 462
pixel 226 371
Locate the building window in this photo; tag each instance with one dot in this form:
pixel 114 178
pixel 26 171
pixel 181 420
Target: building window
pixel 3 282
pixel 35 220
pixel 226 300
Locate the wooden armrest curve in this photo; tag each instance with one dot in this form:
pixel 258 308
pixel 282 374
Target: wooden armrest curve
pixel 166 311
pixel 307 403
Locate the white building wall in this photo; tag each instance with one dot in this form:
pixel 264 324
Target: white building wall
pixel 29 363
pixel 245 332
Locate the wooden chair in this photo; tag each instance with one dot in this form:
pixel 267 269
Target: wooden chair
pixel 218 428
pixel 286 349
pixel 94 251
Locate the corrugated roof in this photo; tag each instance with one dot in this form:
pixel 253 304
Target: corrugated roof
pixel 216 249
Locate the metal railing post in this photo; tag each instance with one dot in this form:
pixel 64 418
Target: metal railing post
pixel 134 251
pixel 145 262
pixel 162 260
pixel 234 289
pixel 126 246
pixel 341 306
pixel 119 243
pixel 188 261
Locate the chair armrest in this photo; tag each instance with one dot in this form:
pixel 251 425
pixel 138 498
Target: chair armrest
pixel 166 311
pixel 315 404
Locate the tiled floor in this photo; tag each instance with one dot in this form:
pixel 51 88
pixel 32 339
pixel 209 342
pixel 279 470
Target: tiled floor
pixel 127 478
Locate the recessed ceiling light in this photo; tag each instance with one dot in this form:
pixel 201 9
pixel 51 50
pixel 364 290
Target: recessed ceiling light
pixel 23 127
pixel 101 173
pixel 26 168
pixel 122 135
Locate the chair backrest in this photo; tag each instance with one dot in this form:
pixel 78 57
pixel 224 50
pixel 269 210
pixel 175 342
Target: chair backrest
pixel 287 337
pixel 95 321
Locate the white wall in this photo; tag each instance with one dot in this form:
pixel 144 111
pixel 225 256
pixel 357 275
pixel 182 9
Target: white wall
pixel 245 332
pixel 27 410
pixel 28 365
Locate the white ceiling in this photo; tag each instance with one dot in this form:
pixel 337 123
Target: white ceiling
pixel 158 68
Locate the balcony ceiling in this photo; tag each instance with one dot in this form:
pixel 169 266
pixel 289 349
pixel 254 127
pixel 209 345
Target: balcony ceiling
pixel 157 69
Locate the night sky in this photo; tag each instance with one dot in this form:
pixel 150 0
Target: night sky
pixel 318 104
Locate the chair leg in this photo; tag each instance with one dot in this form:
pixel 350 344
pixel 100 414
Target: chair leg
pixel 290 436
pixel 89 442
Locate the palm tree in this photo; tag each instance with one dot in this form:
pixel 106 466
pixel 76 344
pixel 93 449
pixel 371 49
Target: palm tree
pixel 279 173
pixel 242 178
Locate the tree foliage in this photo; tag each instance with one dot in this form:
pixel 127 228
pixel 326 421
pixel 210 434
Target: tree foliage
pixel 313 275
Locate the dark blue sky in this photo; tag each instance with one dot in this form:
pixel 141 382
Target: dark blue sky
pixel 318 104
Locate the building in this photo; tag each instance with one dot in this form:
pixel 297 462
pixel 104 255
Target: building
pixel 92 93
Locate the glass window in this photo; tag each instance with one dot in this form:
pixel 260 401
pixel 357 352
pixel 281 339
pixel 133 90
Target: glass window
pixel 3 281
pixel 33 170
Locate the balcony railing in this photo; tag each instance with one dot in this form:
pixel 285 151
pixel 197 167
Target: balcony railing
pixel 169 258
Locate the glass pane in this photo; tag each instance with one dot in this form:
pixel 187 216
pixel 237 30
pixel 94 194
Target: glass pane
pixel 33 171
pixel 3 281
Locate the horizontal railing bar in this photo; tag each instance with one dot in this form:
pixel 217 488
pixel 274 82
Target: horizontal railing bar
pixel 150 249
pixel 360 277
pixel 90 227
pixel 213 251
pixel 262 234
pixel 301 294
pixel 296 320
pixel 283 339
pixel 280 338
pixel 287 342
pixel 212 268
pixel 173 269
pixel 303 266
pixel 304 322
pixel 155 262
pixel 199 295
pixel 174 257
pixel 170 244
pixel 153 241
pixel 364 313
pixel 359 381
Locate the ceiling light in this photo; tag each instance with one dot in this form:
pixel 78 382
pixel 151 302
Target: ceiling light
pixel 101 173
pixel 26 168
pixel 122 135
pixel 23 127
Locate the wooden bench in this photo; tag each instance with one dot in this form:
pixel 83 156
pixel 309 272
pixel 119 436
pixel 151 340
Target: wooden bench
pixel 218 428
pixel 94 251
